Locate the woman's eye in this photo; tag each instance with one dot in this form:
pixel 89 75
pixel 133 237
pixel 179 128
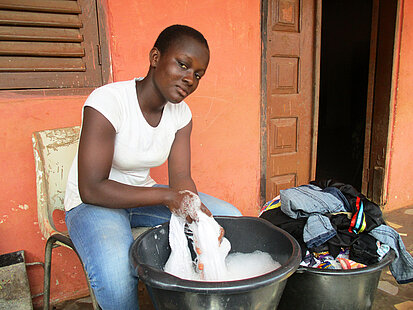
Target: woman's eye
pixel 183 66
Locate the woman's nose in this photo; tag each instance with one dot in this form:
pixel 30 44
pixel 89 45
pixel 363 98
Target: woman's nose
pixel 189 78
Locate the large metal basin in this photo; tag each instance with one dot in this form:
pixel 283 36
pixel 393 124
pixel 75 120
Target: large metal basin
pixel 312 288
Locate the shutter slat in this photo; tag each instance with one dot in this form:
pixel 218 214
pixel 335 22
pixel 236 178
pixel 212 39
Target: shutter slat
pixel 41 6
pixel 39 19
pixel 41 64
pixel 11 33
pixel 41 49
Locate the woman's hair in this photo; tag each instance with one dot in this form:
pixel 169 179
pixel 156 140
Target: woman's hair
pixel 175 33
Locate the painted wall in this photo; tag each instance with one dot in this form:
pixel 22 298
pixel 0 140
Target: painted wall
pixel 226 135
pixel 400 185
pixel 226 116
pixel 225 107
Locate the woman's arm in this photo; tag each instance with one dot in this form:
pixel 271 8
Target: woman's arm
pixel 96 148
pixel 179 163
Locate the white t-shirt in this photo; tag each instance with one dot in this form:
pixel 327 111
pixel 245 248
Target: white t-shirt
pixel 138 145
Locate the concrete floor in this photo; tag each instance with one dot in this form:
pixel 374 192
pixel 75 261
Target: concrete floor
pixel 390 295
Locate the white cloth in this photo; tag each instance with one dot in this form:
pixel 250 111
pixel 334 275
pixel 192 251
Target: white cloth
pixel 179 262
pixel 212 255
pixel 138 145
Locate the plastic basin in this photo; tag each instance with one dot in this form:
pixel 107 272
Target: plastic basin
pixel 151 250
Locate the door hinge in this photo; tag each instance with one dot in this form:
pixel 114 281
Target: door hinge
pixel 99 54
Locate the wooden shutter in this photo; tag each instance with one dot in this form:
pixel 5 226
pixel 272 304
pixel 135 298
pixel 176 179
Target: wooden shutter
pixel 49 44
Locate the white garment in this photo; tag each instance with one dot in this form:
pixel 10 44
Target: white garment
pixel 179 262
pixel 212 253
pixel 138 145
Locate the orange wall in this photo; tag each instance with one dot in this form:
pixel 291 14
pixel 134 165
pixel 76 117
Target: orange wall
pixel 225 140
pixel 226 116
pixel 19 230
pixel 400 185
pixel 226 135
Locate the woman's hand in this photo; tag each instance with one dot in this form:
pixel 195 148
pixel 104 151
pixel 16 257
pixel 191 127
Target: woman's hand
pixel 186 204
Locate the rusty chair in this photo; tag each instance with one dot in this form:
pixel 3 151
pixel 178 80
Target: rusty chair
pixel 54 151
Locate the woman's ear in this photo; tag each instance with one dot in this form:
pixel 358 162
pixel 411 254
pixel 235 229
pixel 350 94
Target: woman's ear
pixel 154 56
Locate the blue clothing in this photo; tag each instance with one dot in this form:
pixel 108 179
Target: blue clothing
pixel 304 200
pixel 317 230
pixel 102 237
pixel 312 202
pixel 402 266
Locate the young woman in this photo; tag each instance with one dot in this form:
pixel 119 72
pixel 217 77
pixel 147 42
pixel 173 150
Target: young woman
pixel 127 128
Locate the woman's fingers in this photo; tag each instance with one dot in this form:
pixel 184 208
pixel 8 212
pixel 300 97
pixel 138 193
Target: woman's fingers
pixel 205 210
pixel 221 234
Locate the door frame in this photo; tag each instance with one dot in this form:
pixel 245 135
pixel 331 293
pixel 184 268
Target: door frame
pixel 374 187
pixel 317 42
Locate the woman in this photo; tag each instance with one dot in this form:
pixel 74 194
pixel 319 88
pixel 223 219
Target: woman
pixel 129 127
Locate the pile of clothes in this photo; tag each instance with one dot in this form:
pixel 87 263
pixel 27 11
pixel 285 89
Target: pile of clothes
pixel 337 227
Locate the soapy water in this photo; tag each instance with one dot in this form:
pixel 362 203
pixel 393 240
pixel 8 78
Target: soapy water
pixel 249 265
pixel 244 266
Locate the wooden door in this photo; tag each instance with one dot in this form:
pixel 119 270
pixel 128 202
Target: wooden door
pixel 290 81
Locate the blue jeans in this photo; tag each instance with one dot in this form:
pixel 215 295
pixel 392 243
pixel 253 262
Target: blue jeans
pixel 102 237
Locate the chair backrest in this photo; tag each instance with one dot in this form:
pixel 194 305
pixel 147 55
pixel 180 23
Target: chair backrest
pixel 54 151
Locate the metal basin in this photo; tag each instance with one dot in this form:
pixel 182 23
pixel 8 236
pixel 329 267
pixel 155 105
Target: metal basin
pixel 312 288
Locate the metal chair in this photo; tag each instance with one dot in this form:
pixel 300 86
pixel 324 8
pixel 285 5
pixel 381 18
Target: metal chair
pixel 54 151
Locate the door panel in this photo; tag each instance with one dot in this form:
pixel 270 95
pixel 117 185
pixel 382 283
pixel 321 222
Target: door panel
pixel 290 84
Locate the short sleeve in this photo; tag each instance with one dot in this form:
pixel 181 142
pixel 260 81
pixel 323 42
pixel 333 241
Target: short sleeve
pixel 106 101
pixel 183 114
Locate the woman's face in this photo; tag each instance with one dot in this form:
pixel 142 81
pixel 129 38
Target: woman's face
pixel 177 71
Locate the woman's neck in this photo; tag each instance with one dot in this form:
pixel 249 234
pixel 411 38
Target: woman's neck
pixel 149 98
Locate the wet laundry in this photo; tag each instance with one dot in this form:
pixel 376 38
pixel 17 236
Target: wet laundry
pixel 210 253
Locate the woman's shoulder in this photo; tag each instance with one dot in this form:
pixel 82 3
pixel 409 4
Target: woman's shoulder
pixel 115 87
pixel 180 113
pixel 177 109
pixel 177 106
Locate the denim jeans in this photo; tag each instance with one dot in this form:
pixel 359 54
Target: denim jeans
pixel 312 202
pixel 402 266
pixel 102 237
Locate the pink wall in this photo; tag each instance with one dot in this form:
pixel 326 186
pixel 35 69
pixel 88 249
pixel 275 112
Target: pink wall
pixel 400 185
pixel 226 115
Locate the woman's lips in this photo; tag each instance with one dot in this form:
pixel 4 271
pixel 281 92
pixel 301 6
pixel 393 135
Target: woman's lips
pixel 182 91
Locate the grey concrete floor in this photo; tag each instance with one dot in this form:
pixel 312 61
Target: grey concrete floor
pixel 390 295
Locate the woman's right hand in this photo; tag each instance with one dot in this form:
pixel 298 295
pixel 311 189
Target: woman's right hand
pixel 185 204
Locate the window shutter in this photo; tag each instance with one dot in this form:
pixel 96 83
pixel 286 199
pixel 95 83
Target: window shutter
pixel 49 44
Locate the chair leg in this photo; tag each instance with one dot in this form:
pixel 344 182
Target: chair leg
pixel 47 272
pixel 48 267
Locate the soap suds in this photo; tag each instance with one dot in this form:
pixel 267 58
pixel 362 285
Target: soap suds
pixel 248 265
pixel 191 204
